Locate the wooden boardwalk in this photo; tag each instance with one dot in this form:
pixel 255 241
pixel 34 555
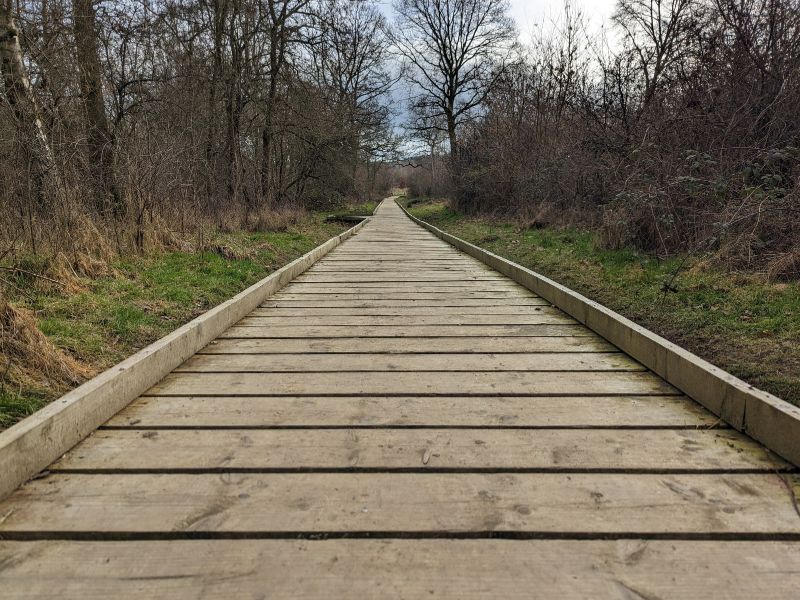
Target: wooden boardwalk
pixel 402 421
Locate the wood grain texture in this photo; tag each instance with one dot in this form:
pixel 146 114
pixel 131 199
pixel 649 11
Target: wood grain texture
pixel 466 315
pixel 407 345
pixel 431 449
pixel 432 331
pixel 409 411
pixel 316 363
pixel 459 303
pixel 571 383
pixel 378 569
pixel 407 295
pixel 535 318
pixel 555 503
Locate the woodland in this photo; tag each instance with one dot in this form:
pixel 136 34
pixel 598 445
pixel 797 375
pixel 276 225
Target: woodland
pixel 133 127
pixel 128 123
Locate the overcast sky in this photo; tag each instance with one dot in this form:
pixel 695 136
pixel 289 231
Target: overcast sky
pixel 528 12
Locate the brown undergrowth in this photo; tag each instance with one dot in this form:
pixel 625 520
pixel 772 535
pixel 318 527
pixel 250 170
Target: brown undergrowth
pixel 72 313
pixel 26 350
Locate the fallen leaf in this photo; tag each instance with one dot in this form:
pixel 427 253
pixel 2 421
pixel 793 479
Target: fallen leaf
pixel 762 334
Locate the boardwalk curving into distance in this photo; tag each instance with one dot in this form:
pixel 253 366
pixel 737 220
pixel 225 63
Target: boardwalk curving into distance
pixel 403 421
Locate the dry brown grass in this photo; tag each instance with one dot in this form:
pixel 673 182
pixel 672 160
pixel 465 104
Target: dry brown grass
pixel 786 266
pixel 35 361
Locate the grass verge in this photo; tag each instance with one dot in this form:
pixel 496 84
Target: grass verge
pixel 741 322
pixel 138 300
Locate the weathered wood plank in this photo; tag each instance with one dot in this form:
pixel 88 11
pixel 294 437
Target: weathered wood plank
pixel 405 267
pixel 398 303
pixel 466 312
pixel 656 450
pixel 474 331
pixel 573 383
pixel 310 363
pixel 349 277
pixel 266 318
pixel 438 568
pixel 554 503
pixel 390 289
pixel 488 411
pixel 491 315
pixel 424 345
pixel 407 295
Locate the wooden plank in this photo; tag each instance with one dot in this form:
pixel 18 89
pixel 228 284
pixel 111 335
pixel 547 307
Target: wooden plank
pixel 460 295
pixel 409 292
pixel 29 446
pixel 465 312
pixel 391 254
pixel 406 411
pixel 769 419
pixel 582 450
pixel 572 383
pixel 488 315
pixel 540 503
pixel 373 284
pixel 266 319
pixel 458 259
pixel 398 303
pixel 469 289
pixel 436 568
pixel 473 331
pixel 316 363
pixel 401 269
pixel 336 277
pixel 424 345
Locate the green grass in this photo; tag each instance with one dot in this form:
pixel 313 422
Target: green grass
pixel 142 299
pixel 738 321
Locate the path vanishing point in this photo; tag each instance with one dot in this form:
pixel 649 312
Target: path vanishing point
pixel 402 421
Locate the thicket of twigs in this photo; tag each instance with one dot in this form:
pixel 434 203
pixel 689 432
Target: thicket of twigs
pixel 131 125
pixel 682 134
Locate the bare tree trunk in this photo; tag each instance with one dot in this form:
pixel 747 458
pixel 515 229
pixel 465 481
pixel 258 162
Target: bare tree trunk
pixel 46 180
pixel 100 138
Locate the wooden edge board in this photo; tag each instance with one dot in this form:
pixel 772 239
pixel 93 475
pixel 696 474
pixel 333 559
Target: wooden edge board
pixel 31 445
pixel 766 418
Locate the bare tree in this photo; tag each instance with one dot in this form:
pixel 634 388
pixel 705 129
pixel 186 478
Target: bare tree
pixel 654 29
pixel 456 51
pixel 46 182
pixel 350 64
pixel 99 136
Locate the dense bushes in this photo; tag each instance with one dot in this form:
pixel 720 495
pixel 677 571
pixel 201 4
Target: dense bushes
pixel 686 136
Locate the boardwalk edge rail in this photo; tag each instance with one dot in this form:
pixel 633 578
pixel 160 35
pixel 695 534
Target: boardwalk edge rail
pixel 764 417
pixel 34 443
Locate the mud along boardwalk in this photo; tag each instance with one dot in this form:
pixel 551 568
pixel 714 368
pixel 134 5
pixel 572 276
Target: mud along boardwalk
pixel 403 421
